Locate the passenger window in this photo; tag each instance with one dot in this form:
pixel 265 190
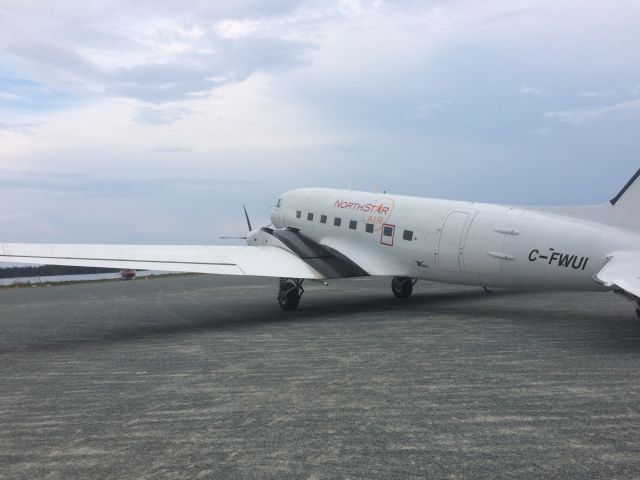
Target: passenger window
pixel 369 227
pixel 388 231
pixel 310 217
pixel 337 221
pixel 298 214
pixel 407 235
pixel 323 219
pixel 353 224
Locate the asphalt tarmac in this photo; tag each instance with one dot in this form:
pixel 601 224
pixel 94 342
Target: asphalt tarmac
pixel 204 377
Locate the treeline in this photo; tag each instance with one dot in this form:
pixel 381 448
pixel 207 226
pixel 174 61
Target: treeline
pixel 50 271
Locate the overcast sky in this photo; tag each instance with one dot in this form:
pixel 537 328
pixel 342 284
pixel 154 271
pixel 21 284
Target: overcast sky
pixel 152 122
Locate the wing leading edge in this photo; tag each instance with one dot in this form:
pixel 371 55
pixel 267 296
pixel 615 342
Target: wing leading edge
pixel 264 261
pixel 622 272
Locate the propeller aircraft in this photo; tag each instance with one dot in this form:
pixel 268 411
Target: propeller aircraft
pixel 321 234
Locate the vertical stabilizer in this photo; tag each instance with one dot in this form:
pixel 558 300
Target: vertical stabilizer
pixel 625 211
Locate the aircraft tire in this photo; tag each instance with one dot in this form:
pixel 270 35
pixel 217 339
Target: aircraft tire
pixel 402 287
pixel 289 296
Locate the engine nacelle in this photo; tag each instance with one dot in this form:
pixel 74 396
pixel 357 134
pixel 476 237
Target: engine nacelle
pixel 263 237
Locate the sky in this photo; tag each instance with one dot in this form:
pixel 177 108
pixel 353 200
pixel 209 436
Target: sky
pixel 153 122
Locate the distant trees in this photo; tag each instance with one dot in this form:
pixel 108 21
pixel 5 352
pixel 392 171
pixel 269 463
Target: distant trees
pixel 50 270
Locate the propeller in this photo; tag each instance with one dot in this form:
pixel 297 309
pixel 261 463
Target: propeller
pixel 246 215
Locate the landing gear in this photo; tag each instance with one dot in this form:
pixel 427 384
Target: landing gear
pixel 290 293
pixel 402 287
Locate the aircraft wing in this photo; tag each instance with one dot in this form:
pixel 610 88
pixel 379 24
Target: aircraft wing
pixel 622 272
pixel 266 261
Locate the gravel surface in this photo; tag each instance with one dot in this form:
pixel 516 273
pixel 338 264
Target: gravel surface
pixel 205 377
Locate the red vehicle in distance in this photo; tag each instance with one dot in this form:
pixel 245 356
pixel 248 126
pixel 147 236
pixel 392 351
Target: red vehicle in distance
pixel 127 274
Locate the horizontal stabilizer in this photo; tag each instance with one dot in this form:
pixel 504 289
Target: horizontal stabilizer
pixel 622 272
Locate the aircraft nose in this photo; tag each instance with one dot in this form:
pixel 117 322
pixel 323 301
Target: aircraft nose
pixel 277 217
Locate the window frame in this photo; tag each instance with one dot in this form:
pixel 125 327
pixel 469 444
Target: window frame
pixel 388 240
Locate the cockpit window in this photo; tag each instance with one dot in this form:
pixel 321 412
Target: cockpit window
pixel 279 203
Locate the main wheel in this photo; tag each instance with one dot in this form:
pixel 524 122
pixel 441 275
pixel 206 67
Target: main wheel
pixel 402 287
pixel 289 295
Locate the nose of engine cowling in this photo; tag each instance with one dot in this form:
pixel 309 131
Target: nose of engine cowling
pixel 277 215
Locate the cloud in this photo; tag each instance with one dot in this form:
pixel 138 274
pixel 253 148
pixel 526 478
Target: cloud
pixel 233 29
pixel 160 83
pixel 26 128
pixel 305 93
pixel 12 97
pixel 595 94
pixel 428 108
pixel 170 149
pixel 580 117
pixel 527 90
pixel 30 223
pixel 87 185
pixel 21 93
pixel 169 55
pixel 540 131
pixel 160 115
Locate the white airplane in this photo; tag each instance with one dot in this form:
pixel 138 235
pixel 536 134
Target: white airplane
pixel 322 234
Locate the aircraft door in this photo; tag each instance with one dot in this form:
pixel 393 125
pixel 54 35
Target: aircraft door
pixel 451 245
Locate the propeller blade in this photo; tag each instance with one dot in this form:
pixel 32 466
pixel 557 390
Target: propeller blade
pixel 247 216
pixel 232 238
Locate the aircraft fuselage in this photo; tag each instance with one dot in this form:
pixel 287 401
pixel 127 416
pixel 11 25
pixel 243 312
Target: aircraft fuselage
pixel 453 241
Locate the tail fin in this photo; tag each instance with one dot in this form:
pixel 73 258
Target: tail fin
pixel 625 207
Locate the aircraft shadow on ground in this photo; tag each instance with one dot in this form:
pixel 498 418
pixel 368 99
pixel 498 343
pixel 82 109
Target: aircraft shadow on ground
pixel 467 304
